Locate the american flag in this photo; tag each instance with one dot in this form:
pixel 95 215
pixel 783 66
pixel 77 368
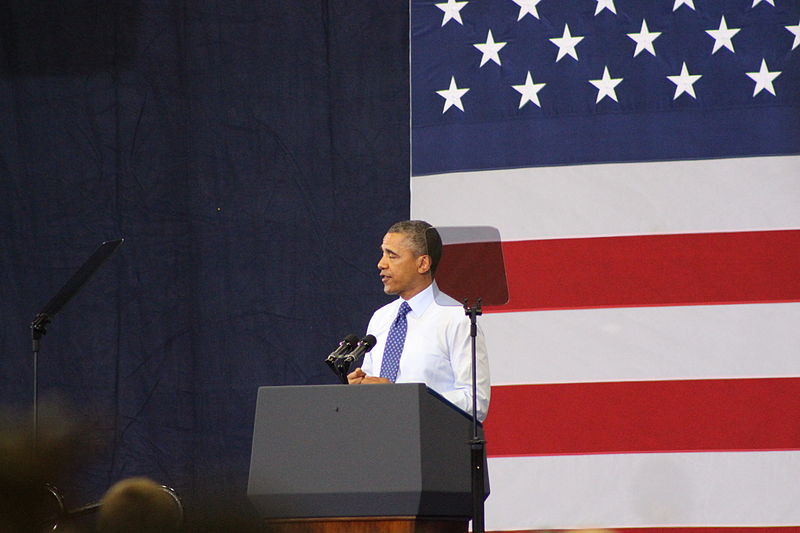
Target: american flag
pixel 640 160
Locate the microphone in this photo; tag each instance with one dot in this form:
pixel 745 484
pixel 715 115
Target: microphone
pixel 346 345
pixel 364 345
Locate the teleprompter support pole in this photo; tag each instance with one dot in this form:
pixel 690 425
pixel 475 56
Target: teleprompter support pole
pixel 477 444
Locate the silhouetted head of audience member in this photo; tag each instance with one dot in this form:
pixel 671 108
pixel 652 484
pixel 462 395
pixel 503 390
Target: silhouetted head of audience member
pixel 139 505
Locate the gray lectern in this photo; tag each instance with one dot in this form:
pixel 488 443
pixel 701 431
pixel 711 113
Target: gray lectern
pixel 333 451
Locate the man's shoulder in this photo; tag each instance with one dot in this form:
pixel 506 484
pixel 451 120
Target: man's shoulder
pixel 445 312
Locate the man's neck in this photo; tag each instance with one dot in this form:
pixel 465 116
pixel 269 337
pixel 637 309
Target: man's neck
pixel 416 290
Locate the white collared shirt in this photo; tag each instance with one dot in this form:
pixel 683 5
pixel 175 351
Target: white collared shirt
pixel 437 350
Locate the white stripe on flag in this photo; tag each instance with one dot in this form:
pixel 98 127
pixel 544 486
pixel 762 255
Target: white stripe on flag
pixel 644 490
pixel 721 195
pixel 644 343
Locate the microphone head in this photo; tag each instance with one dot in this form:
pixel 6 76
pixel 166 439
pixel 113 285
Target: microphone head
pixel 347 345
pixel 364 345
pixel 350 340
pixel 368 342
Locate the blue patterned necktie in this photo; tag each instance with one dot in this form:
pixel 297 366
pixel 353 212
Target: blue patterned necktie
pixel 394 344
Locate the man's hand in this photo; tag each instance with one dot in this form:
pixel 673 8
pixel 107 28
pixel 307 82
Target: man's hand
pixel 375 379
pixel 356 376
pixel 359 376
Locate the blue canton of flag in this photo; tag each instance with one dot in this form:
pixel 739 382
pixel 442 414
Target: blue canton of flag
pixel 512 83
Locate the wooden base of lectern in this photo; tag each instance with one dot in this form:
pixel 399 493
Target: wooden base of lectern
pixel 379 524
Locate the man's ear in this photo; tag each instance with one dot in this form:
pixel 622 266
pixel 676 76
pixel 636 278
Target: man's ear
pixel 424 264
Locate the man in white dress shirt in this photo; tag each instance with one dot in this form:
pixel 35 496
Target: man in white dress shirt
pixel 437 348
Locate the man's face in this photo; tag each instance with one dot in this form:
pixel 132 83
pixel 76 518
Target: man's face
pixel 402 272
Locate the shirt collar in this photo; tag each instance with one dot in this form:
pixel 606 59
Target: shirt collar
pixel 420 301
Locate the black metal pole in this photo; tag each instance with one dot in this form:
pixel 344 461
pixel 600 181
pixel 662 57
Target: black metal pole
pixel 38 330
pixel 477 444
pixel 36 398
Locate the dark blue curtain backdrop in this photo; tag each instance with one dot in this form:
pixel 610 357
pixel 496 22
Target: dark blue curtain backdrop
pixel 252 154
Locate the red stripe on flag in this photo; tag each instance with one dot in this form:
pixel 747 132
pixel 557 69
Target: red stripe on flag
pixel 685 269
pixel 644 416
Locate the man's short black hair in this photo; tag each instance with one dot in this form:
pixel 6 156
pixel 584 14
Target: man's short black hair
pixel 423 238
